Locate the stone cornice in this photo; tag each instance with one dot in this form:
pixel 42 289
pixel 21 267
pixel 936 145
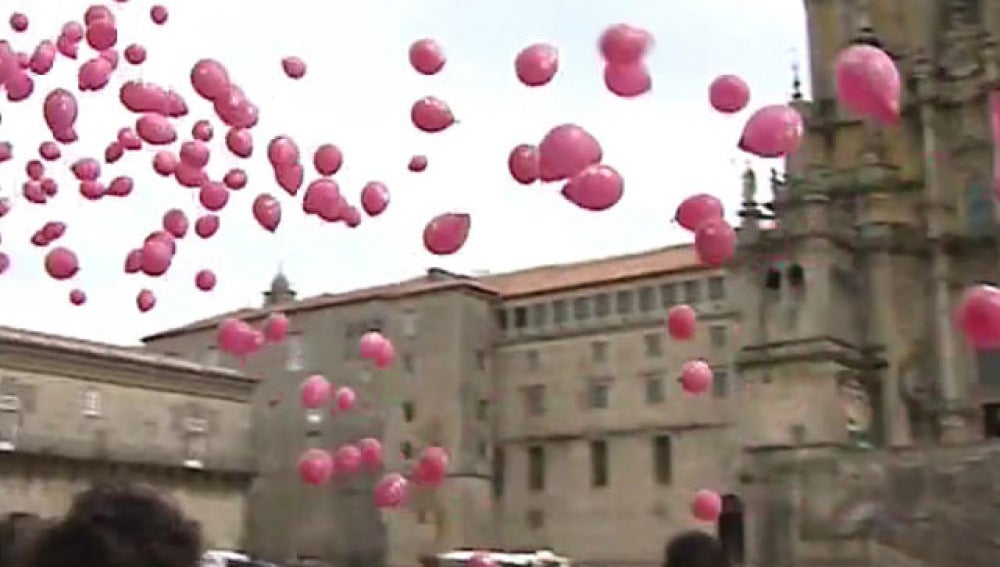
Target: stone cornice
pixel 209 383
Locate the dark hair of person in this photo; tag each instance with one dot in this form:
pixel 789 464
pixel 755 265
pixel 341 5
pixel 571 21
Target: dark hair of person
pixel 119 525
pixel 694 549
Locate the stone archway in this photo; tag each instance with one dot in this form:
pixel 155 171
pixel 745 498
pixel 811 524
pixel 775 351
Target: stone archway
pixel 730 529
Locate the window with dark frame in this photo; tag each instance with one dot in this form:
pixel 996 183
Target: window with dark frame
pixel 663 466
pixel 647 298
pixel 599 351
pixel 718 335
pixel 532 360
pixel 581 308
pixel 720 384
pixel 409 412
pixel 668 295
pixel 653 343
pixel 559 311
pixel 716 288
pixel 602 305
pixel 599 476
pixel 539 314
pixel 501 316
pixel 598 394
pixel 536 468
pixel 534 400
pixel 520 317
pixel 692 292
pixel 499 471
pixel 654 390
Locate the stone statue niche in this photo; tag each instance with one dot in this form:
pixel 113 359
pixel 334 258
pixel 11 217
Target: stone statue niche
pixel 856 404
pixel 918 392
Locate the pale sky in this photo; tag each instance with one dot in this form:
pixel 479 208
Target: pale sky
pixel 357 94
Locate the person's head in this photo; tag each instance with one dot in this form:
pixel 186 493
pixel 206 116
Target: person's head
pixel 119 525
pixel 694 549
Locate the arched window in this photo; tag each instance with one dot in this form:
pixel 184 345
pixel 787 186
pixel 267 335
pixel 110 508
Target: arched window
pixel 979 208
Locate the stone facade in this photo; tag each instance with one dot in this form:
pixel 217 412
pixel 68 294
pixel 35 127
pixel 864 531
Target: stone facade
pixel 73 412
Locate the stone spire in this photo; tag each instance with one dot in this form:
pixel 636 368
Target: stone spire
pixel 281 291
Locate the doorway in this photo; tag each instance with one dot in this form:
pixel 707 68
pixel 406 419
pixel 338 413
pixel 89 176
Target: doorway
pixel 730 530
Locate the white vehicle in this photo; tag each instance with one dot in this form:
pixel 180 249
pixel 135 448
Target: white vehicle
pixel 222 558
pixel 541 558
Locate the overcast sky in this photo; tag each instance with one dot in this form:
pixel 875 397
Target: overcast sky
pixel 357 94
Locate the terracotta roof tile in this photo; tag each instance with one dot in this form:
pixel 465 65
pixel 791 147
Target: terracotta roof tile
pixel 531 281
pixel 133 355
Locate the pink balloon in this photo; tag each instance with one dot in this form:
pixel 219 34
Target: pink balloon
pixel 159 14
pixel 698 209
pixel 276 327
pixel 628 81
pixel 155 129
pixel 868 83
pixel 205 280
pixel 391 491
pixel 97 12
pixel 427 57
pixel 315 467
pixel 327 159
pixel 53 230
pixel 133 261
pixel 290 177
pixel 35 170
pixel 347 459
pixel 111 56
pixel 267 211
pixel 238 338
pixel 315 392
pixel 142 97
pixel 213 196
pixel 5 205
pixel 6 151
pixel 235 110
pixel 61 263
pixel 481 559
pixel 101 34
pixel 77 297
pixel 374 198
pixel 240 142
pixel 523 164
pixel 772 131
pixel 565 151
pixel 706 506
pixel 977 315
pixel 623 44
pixel 282 151
pixel 371 454
pixel 165 163
pixel 156 257
pixel 715 242
pixel 417 163
pixel 235 179
pixel 446 234
pixel 18 22
pixel 596 188
pixel 49 151
pixel 681 322
pixel 696 376
pixel 128 139
pixel 206 226
pixel 43 58
pixel 431 115
pixel 67 47
pixel 175 222
pixel 32 191
pixel 210 79
pixel 135 54
pixel 323 198
pixel 728 94
pixel 195 153
pixel 190 176
pixel 120 186
pixel 537 64
pixel 164 237
pixel 371 344
pixel 86 169
pixel 344 398
pixel 94 74
pixel 145 300
pixel 113 152
pixel 432 468
pixel 202 130
pixel 294 67
pixel 4 262
pixel 50 187
pixel 92 190
pixel 19 86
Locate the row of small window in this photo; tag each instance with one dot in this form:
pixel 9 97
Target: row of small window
pixel 626 302
pixel 661 447
pixel 90 403
pixel 599 393
pixel 409 410
pixel 652 345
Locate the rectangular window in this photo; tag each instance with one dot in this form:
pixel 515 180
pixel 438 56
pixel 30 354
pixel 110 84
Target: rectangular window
pixel 295 357
pixel 196 450
pixel 501 315
pixel 599 463
pixel 654 390
pixel 720 384
pixel 559 311
pixel 599 351
pixel 499 471
pixel 716 288
pixel 668 295
pixel 534 399
pixel 536 468
pixel 647 298
pixel 654 344
pixel 692 292
pixel 409 324
pixel 663 466
pixel 718 335
pixel 520 317
pixel 624 302
pixel 598 394
pixel 409 411
pixel 10 422
pixel 91 403
pixel 532 360
pixel 602 305
pixel 581 308
pixel 480 360
pixel 539 314
pixel 482 409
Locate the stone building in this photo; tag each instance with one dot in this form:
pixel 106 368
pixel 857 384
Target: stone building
pixel 73 412
pixel 849 425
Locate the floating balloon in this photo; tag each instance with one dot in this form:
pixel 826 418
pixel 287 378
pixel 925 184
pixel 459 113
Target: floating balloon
pixel 210 79
pixel 623 44
pixel 60 110
pixel 431 115
pixel 275 327
pixel 156 257
pixel 77 297
pixel 159 14
pixel 238 338
pixel 696 376
pixel 565 151
pixel 706 506
pixel 417 163
pixel 432 467
pixel 267 211
pixel 18 22
pixel 316 392
pixel 977 315
pixel 536 64
pixel 240 142
pixel 698 209
pixel 374 198
pixel 235 179
pixel 315 467
pixel 145 300
pixel 347 459
pixel 327 159
pixel 446 234
pixel 155 129
pixel 371 454
pixel 681 322
pixel 391 491
pixel 294 67
pixel 772 132
pixel 715 242
pixel 206 225
pixel 175 222
pixel 344 398
pixel 205 280
pixel 595 188
pixel 728 94
pixel 135 54
pixel 627 80
pixel 426 57
pixel 523 164
pixel 61 263
pixel 868 83
pixel 213 195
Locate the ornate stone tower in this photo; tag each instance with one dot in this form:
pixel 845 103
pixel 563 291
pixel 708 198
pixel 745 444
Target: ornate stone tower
pixel 847 336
